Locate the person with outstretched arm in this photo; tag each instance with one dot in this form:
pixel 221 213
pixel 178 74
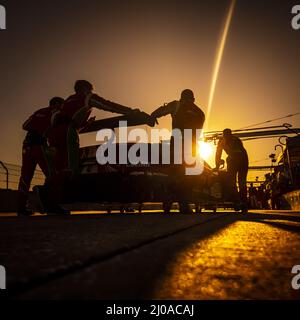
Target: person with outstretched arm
pixel 185 115
pixel 75 117
pixel 64 136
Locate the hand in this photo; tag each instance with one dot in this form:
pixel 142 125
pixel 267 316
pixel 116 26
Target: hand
pixel 155 120
pixel 91 120
pixel 88 123
pixel 154 117
pixel 152 121
pixel 222 163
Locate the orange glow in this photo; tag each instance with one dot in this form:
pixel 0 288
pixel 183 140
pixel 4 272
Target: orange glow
pixel 226 264
pixel 205 150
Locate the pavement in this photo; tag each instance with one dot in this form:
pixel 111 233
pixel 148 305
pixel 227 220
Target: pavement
pixel 151 256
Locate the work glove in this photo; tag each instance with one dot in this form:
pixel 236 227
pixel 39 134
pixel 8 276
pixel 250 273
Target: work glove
pixel 222 163
pixel 136 110
pixel 152 121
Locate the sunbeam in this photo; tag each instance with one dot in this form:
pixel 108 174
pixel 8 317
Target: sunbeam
pixel 219 58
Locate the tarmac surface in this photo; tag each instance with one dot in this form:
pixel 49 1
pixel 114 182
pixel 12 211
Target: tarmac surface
pixel 151 256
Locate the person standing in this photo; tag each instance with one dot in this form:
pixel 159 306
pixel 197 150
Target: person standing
pixel 185 115
pixel 237 164
pixel 253 197
pixel 35 150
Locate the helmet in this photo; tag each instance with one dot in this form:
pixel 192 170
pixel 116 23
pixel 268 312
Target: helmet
pixel 227 132
pixel 187 94
pixel 56 101
pixel 82 85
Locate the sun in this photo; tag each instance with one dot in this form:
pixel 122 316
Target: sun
pixel 205 150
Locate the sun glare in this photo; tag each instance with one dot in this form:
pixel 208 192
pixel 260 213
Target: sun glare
pixel 205 150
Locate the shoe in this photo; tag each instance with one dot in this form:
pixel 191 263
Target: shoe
pixel 185 209
pixel 25 213
pixel 57 211
pixel 244 208
pixel 39 199
pixel 189 211
pixel 241 207
pixel 167 206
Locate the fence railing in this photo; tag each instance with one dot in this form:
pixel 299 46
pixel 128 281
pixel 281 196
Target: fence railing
pixel 10 175
pixel 3 166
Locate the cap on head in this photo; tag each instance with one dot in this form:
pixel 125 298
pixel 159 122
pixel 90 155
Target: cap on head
pixel 227 133
pixel 187 95
pixel 56 101
pixel 82 86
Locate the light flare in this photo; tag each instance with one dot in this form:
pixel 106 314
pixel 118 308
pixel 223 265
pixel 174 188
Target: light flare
pixel 205 150
pixel 219 57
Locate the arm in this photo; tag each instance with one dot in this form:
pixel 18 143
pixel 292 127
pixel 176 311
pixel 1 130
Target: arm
pixel 88 123
pixel 28 124
pixel 106 105
pixel 164 110
pixel 219 154
pixel 57 118
pixel 36 122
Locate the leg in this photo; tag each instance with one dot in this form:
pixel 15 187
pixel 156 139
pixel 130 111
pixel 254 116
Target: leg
pixel 73 150
pixel 181 191
pixel 59 172
pixel 59 147
pixel 178 178
pixel 232 170
pixel 29 164
pixel 242 179
pixel 57 182
pixel 43 160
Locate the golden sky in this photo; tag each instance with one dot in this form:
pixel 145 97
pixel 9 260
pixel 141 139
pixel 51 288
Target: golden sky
pixel 143 53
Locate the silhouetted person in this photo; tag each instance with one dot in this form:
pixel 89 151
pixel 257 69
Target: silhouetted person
pixel 237 163
pixel 185 115
pixel 275 193
pixel 262 198
pixel 64 137
pixel 75 116
pixel 253 197
pixel 35 150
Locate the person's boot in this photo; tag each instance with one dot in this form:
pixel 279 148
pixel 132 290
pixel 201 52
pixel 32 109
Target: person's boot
pixel 25 213
pixel 39 199
pixel 184 208
pixel 241 206
pixel 22 206
pixel 56 210
pixel 244 207
pixel 167 206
